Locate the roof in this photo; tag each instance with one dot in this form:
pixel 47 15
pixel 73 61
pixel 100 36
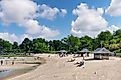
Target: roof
pixel 84 50
pixel 62 51
pixel 102 50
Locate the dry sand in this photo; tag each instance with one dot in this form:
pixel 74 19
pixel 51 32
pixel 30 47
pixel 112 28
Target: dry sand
pixel 59 69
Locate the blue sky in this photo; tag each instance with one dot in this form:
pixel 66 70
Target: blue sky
pixel 56 19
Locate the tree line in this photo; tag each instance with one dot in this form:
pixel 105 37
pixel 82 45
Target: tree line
pixel 69 43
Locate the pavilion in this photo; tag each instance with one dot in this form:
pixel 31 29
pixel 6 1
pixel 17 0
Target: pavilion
pixel 84 51
pixel 101 53
pixel 62 53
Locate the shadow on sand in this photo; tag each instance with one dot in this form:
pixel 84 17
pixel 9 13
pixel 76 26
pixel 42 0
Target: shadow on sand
pixel 92 59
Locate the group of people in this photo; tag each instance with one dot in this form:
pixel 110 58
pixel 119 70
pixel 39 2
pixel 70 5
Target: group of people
pixel 1 62
pixel 63 54
pixel 79 64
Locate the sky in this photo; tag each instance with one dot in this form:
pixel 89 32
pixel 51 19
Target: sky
pixel 55 19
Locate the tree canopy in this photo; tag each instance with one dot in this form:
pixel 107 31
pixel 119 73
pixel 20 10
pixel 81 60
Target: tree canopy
pixel 69 43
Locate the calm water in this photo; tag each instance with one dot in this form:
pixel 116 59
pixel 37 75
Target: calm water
pixel 5 73
pixel 12 72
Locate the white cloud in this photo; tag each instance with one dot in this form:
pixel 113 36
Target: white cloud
pixel 17 11
pixel 113 28
pixel 89 21
pixel 41 31
pixel 15 38
pixel 47 32
pixel 24 13
pixel 63 12
pixel 115 8
pixel 50 13
pixel 12 37
pixel 33 27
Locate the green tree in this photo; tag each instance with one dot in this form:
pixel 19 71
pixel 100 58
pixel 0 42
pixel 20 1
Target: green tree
pixel 117 33
pixel 104 38
pixel 86 42
pixel 7 46
pixel 15 47
pixel 72 43
pixel 26 45
pixel 40 45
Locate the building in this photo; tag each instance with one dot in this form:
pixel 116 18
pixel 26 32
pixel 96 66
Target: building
pixel 101 53
pixel 84 52
pixel 62 53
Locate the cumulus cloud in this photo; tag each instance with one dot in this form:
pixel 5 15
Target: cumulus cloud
pixel 17 11
pixel 115 8
pixel 113 28
pixel 50 13
pixel 13 38
pixel 63 12
pixel 89 21
pixel 24 13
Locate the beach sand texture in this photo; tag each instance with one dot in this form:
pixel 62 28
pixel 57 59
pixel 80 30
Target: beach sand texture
pixel 59 69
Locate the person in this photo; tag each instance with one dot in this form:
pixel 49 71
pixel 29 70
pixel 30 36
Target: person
pixel 1 62
pixel 12 62
pixel 6 62
pixel 83 64
pixel 114 54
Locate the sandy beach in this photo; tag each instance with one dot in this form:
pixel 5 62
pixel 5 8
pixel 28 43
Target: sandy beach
pixel 59 69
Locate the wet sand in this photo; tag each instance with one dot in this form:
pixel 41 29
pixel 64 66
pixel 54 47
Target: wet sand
pixel 17 72
pixel 20 67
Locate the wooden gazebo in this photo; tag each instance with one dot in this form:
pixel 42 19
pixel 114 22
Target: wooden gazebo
pixel 101 53
pixel 84 52
pixel 62 53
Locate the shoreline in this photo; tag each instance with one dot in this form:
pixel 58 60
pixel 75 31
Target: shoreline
pixel 20 68
pixel 17 72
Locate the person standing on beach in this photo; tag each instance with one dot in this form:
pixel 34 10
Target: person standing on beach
pixel 12 62
pixel 1 62
pixel 83 64
pixel 6 62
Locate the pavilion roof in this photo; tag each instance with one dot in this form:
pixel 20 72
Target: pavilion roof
pixel 84 50
pixel 62 51
pixel 102 50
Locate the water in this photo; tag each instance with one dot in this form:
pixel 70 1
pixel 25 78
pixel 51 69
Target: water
pixel 5 73
pixel 14 72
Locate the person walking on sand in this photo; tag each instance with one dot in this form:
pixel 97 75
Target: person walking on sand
pixel 1 62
